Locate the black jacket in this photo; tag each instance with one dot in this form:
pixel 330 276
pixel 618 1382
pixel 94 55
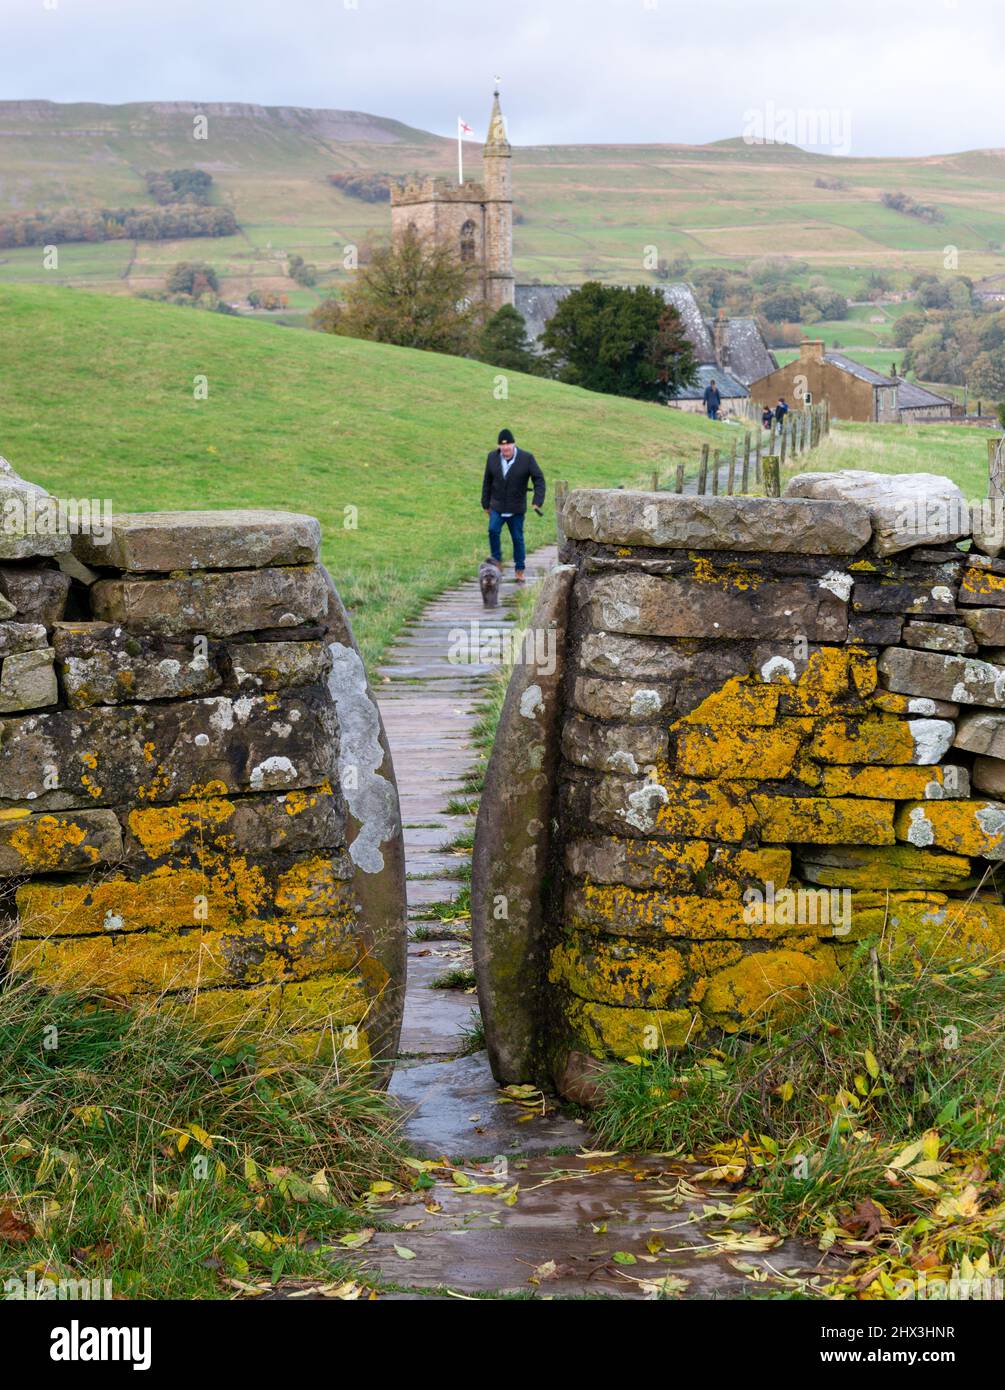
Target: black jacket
pixel 509 494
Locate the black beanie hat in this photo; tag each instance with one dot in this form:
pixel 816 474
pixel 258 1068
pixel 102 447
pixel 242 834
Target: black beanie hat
pixel 505 437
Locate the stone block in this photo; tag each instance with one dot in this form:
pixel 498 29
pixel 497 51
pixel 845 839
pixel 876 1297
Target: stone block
pixel 278 665
pixel 986 624
pixel 730 606
pixel 670 521
pixel 881 867
pixel 896 783
pixel 161 542
pixel 882 739
pixel 637 702
pixel 642 658
pixel 981 731
pixel 116 755
pixel 207 831
pixel 824 820
pixel 214 604
pixel 965 827
pixel 989 773
pixel 37 595
pixel 981 586
pixel 102 664
pixel 905 509
pixel 939 637
pixel 28 681
pixel 683 866
pixel 66 843
pixel 962 680
pixel 21 637
pixel 623 748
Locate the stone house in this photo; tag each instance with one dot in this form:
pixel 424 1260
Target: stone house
pixel 915 403
pixel 855 392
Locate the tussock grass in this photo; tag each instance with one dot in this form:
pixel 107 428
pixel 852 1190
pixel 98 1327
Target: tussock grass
pixel 901 1048
pixel 130 1151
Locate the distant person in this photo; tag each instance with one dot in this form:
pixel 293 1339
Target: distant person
pixel 781 410
pixel 767 415
pixel 509 472
pixel 713 400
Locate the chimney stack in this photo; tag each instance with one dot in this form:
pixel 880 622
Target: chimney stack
pixel 812 350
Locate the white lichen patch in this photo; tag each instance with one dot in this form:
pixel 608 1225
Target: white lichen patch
pixel 273 771
pixel 643 804
pixel 778 666
pixel 622 761
pixel 838 583
pixel 645 702
pixel 932 738
pixel 531 702
pixel 920 832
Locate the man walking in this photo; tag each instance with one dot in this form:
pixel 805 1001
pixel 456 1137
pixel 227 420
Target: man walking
pixel 713 400
pixel 509 472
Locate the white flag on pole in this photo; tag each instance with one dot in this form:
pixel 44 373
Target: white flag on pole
pixel 462 129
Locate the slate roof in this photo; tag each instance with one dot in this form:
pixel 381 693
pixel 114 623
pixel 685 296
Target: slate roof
pixel 845 364
pixel 910 396
pixel 747 355
pixel 682 298
pixel 729 387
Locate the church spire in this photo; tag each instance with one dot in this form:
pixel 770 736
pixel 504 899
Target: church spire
pixel 496 141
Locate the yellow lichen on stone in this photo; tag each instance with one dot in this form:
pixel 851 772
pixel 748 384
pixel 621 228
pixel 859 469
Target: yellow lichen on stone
pixel 617 972
pixel 161 829
pixel 42 843
pixel 966 827
pixel 877 738
pixel 738 702
pixel 606 1031
pixel 824 820
pixel 736 751
pixel 766 986
pixel 886 783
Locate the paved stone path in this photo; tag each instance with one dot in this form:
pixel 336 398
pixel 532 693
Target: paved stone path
pixel 526 1205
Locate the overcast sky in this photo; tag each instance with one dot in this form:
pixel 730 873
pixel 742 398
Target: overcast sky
pixel 869 76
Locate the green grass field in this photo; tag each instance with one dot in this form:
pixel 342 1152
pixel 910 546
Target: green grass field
pixel 385 445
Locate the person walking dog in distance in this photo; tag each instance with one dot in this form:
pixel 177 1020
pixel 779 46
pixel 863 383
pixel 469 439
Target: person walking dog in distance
pixel 713 400
pixel 509 472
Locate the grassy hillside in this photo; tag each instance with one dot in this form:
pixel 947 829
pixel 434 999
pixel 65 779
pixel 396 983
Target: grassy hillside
pixel 97 401
pixel 587 211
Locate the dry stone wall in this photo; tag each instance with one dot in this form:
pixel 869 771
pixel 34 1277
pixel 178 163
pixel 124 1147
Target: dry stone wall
pixel 778 728
pixel 197 803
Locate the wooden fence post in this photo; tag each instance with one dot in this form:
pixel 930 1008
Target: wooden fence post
pixel 656 482
pixel 757 455
pixel 703 471
pixel 679 487
pixel 731 479
pixel 716 462
pixel 745 473
pixel 772 481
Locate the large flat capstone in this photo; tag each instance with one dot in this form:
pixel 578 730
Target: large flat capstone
pixel 905 509
pixel 672 522
pixel 159 542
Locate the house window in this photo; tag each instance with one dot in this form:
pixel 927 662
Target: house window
pixel 468 241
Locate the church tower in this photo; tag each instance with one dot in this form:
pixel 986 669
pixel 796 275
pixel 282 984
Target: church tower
pixel 500 286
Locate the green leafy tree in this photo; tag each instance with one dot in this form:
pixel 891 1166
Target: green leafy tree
pixel 415 294
pixel 192 277
pixel 625 342
pixel 987 375
pixel 504 342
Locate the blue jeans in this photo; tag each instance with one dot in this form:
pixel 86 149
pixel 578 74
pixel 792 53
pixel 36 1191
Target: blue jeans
pixel 515 524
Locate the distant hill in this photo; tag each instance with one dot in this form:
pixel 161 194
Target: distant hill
pixel 585 210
